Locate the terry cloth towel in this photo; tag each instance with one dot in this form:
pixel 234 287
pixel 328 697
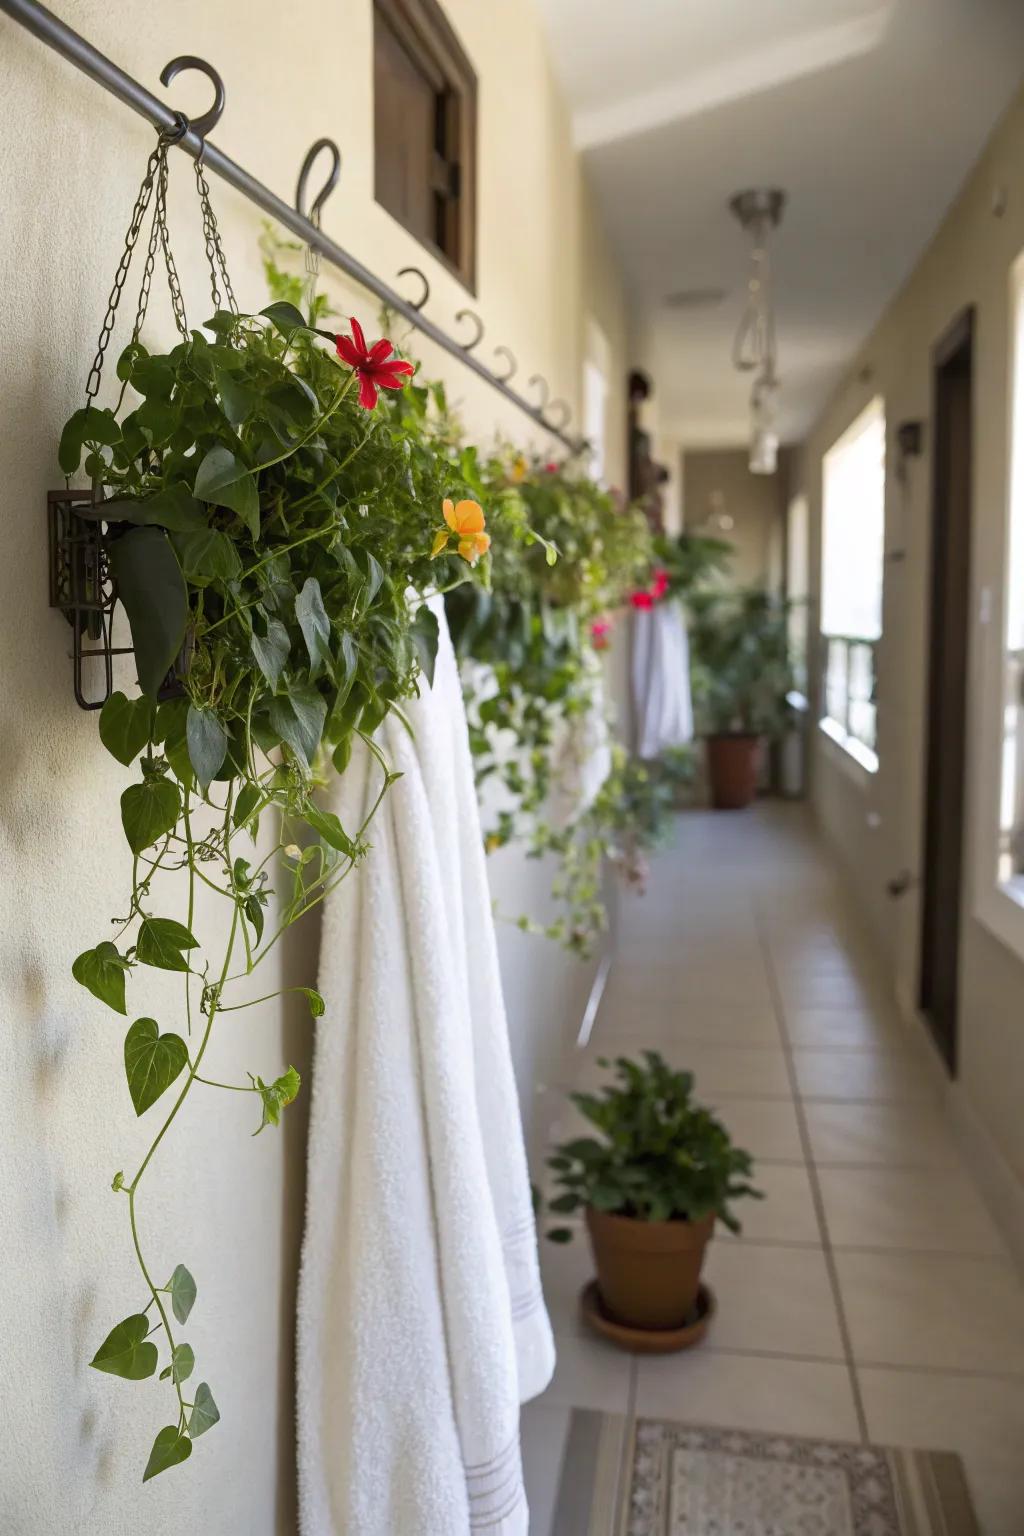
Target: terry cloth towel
pixel 421 1321
pixel 583 756
pixel 662 701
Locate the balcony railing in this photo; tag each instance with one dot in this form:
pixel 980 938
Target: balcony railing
pixel 849 688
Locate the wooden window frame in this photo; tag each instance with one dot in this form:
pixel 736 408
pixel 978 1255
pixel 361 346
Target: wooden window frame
pixel 425 33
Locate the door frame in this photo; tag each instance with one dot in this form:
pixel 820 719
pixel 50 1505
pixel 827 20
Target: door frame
pixel 942 692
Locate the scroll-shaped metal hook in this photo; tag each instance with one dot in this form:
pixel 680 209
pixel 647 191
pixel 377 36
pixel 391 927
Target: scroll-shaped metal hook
pixel 503 378
pixel 564 414
pixel 425 296
pixel 538 381
pixel 328 187
pixel 469 314
pixel 204 125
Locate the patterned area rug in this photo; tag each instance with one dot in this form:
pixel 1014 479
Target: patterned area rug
pixel 661 1479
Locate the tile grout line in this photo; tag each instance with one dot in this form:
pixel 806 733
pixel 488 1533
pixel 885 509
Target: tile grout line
pixel 812 1173
pixel 621 1478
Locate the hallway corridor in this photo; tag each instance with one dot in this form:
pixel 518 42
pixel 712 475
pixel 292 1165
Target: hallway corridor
pixel 871 1297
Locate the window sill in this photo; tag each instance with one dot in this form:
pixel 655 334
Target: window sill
pixel 851 751
pixel 1001 911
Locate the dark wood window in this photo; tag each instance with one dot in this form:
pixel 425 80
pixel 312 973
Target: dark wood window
pixel 425 130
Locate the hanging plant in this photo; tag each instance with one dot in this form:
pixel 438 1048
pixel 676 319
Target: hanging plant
pixel 528 639
pixel 569 554
pixel 264 524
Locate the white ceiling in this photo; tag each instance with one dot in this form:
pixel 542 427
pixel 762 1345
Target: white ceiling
pixel 869 113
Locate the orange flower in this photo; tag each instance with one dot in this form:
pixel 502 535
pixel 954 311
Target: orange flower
pixel 465 518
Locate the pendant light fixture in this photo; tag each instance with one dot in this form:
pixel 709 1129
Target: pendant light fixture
pixel 754 349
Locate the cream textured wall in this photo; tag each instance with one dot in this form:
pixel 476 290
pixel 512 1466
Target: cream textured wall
pixel 70 162
pixel 756 503
pixel 875 821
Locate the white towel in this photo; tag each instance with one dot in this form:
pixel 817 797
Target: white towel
pixel 421 1321
pixel 662 700
pixel 582 755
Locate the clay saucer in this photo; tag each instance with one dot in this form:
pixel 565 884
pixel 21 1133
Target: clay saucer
pixel 647 1341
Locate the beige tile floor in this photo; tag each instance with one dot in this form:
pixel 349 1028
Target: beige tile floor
pixel 871 1295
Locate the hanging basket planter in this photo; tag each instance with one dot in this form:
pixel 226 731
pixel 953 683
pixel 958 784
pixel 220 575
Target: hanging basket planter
pixel 261 524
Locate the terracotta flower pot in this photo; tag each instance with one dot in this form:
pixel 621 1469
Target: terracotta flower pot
pixel 732 770
pixel 648 1271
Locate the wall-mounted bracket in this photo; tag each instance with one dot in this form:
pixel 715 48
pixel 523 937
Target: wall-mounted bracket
pixel 82 587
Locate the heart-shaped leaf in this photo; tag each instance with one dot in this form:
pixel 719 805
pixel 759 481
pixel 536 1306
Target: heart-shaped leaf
pixel 183 1363
pixel 151 1062
pixel 126 1351
pixel 315 625
pixel 317 1006
pixel 227 482
pixel 101 971
pixel 207 744
pixel 238 399
pixel 88 425
pixel 254 912
pixel 271 650
pixel 148 811
pixel 204 1412
pixel 327 826
pixel 126 726
pixel 298 718
pixel 183 1293
pixel 250 800
pixel 208 555
pixel 174 508
pixel 348 660
pixel 161 941
pixel 170 1448
pixel 285 317
pixel 152 590
pixel 275 1096
pixel 424 633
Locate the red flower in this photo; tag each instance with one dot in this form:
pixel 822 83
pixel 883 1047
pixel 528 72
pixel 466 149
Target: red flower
pixel 654 593
pixel 376 367
pixel 551 467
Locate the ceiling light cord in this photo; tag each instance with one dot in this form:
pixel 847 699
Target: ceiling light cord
pixel 754 346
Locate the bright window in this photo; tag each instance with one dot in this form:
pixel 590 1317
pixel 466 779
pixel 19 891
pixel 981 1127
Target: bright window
pixel 852 565
pixel 1011 800
pixel 797 547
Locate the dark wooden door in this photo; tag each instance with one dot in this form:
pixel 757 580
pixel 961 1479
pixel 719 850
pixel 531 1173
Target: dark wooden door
pixel 947 684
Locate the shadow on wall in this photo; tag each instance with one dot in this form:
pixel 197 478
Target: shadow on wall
pixel 300 965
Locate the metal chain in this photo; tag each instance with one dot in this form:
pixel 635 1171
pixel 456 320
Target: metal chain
pixel 160 215
pixel 155 181
pixel 214 249
pixel 147 278
pixel 120 277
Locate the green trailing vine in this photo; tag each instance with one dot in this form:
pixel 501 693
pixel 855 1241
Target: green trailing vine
pixel 538 631
pixel 528 638
pixel 265 525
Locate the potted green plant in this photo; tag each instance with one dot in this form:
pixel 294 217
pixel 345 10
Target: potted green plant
pixel 264 525
pixel 651 1189
pixel 742 673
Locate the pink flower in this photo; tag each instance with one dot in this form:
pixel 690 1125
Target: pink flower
pixel 642 600
pixel 375 366
pixel 551 467
pixel 600 633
